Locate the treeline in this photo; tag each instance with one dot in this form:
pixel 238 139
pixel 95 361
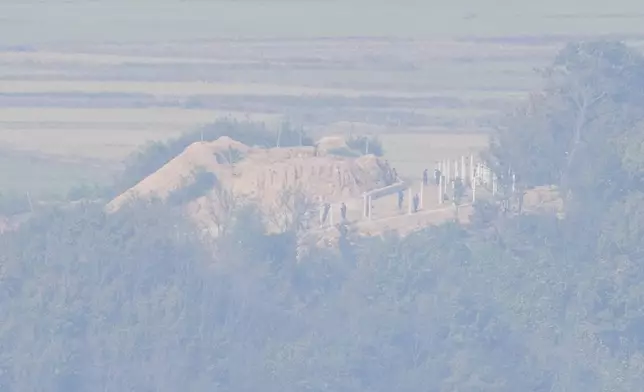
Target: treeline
pixel 136 300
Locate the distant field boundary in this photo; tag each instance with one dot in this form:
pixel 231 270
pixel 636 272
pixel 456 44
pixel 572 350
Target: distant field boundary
pixel 179 89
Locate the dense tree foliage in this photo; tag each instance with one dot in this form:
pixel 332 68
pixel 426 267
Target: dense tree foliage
pixel 513 302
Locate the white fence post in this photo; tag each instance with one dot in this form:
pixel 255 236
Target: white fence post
pixel 473 191
pixel 514 181
pixel 471 167
pixel 463 178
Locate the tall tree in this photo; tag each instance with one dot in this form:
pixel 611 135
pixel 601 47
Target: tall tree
pixel 569 134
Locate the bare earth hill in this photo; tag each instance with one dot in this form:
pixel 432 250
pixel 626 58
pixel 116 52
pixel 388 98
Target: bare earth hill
pixel 282 182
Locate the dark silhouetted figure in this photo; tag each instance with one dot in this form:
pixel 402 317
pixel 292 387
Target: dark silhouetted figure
pixel 401 198
pixel 416 200
pixel 437 176
pixel 343 211
pixel 425 177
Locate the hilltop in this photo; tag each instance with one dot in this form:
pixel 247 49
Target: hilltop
pixel 287 184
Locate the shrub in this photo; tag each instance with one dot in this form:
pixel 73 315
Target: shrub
pixel 366 145
pixel 203 181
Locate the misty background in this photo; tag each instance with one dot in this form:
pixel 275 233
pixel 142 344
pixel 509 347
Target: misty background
pixel 135 254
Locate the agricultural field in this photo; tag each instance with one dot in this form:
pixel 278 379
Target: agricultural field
pixel 75 102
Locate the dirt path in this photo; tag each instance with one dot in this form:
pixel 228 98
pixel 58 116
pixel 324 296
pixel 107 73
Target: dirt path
pixel 386 216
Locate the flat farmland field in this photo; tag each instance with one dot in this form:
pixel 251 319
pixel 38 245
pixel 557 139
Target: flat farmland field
pixel 45 176
pixel 105 134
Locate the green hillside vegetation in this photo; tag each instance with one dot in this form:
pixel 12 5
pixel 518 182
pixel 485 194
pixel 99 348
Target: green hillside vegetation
pixel 532 302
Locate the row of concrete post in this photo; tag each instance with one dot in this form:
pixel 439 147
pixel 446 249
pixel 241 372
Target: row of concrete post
pixel 472 175
pixel 447 172
pixel 489 179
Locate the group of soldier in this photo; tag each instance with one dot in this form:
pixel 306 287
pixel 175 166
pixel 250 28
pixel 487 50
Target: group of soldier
pixel 326 209
pixel 457 185
pixel 415 201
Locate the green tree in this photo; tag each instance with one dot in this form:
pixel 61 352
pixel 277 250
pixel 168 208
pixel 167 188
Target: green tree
pixel 569 133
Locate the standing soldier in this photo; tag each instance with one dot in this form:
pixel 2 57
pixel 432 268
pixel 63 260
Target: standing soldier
pixel 343 211
pixel 401 198
pixel 437 176
pixel 425 177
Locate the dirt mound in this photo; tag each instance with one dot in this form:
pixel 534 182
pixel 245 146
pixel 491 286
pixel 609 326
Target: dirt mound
pixel 283 182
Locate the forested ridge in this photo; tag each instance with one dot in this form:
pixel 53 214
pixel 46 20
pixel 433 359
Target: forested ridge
pixel 136 301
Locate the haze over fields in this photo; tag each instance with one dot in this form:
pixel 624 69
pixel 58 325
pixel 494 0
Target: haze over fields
pixel 321 196
pixel 100 78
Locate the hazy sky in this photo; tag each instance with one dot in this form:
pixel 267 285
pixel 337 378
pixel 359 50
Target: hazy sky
pixel 33 22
